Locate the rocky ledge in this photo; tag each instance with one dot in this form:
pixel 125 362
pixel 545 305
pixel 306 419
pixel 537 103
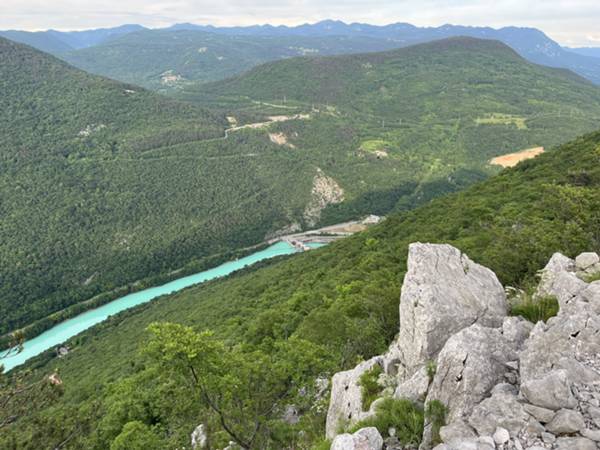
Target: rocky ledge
pixel 505 382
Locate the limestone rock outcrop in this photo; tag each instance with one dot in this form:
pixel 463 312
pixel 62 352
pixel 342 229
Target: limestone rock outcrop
pixel 199 437
pixel 507 384
pixel 363 439
pixel 443 292
pixel 345 406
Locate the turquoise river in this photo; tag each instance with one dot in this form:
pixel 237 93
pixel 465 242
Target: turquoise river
pixel 69 328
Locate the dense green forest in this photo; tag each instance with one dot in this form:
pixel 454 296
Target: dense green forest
pixel 167 60
pixel 106 187
pixel 320 311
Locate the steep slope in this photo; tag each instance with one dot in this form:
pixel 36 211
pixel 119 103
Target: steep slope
pixel 104 184
pixel 530 43
pixel 343 298
pixel 463 70
pixel 427 112
pixel 170 59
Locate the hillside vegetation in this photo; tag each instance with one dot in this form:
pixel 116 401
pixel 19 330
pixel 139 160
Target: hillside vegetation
pixel 106 184
pixel 330 308
pixel 103 184
pixel 433 114
pixel 167 60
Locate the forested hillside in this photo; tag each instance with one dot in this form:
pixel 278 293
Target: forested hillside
pixel 167 60
pixel 105 184
pixel 319 312
pixel 427 112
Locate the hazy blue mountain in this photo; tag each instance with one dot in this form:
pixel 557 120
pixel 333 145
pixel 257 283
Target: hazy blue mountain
pixel 42 40
pixel 89 38
pixel 57 42
pixel 170 59
pixel 586 51
pixel 530 43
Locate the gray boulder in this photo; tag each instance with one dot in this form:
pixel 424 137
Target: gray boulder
pixel 456 432
pixel 566 421
pixel 542 415
pixel 501 436
pixel 443 292
pixel 575 443
pixel 557 264
pixel 480 443
pixel 587 262
pixel 566 287
pixel 415 388
pixel 591 295
pixel 471 363
pixel 363 439
pixel 516 330
pixel 593 435
pixel 501 410
pixel 573 333
pixel 552 391
pixel 345 405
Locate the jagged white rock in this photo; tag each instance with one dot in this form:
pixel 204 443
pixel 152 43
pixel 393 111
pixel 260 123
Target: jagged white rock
pixel 504 381
pixel 199 438
pixel 471 363
pixel 345 406
pixel 443 292
pixel 364 439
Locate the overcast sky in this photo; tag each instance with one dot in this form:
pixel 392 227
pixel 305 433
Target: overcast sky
pixel 570 22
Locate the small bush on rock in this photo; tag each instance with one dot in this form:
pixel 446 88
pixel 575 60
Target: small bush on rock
pixel 369 386
pixel 403 415
pixel 592 278
pixel 535 310
pixel 435 412
pixel 431 368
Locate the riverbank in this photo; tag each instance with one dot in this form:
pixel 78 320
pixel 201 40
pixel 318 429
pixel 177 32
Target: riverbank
pixel 63 331
pixel 59 327
pixel 39 326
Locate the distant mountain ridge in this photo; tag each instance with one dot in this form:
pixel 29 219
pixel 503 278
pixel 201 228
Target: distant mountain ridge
pixel 586 51
pixel 530 43
pixel 56 42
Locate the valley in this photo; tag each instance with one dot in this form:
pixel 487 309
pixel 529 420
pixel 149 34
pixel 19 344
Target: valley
pixel 197 251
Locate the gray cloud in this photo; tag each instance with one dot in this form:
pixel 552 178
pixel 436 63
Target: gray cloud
pixel 571 22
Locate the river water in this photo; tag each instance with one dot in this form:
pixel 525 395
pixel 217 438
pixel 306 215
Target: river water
pixel 69 328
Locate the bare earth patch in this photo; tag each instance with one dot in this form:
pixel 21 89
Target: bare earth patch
pixel 512 159
pixel 325 191
pixel 280 139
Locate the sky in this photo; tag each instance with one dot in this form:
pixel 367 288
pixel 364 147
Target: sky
pixel 570 22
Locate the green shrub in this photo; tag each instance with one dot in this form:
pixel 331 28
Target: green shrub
pixel 435 412
pixel 591 278
pixel 535 310
pixel 369 387
pixel 431 368
pixel 324 444
pixel 403 415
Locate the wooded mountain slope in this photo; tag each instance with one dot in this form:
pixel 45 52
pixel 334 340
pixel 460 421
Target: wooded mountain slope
pixel 104 184
pixel 165 60
pixel 342 298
